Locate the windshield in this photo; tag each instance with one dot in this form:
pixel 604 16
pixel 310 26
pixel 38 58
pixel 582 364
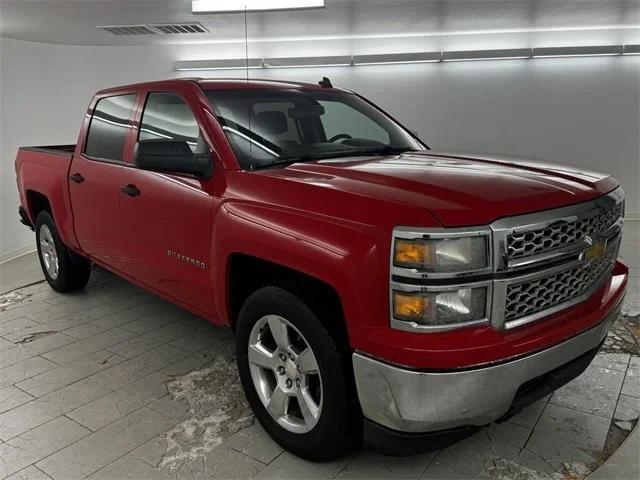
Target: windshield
pixel 274 127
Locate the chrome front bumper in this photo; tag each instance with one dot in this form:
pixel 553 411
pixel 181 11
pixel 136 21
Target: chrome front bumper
pixel 417 402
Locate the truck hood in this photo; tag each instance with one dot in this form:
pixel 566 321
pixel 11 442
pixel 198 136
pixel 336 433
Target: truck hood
pixel 458 189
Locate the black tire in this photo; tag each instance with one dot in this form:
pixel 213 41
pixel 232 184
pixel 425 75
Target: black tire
pixel 73 270
pixel 333 435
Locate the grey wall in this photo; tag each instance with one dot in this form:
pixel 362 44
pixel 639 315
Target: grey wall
pixel 582 112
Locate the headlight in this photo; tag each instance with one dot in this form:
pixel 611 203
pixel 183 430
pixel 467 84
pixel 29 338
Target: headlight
pixel 450 307
pixel 444 255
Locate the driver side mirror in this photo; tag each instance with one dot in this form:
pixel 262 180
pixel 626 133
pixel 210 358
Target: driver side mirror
pixel 172 156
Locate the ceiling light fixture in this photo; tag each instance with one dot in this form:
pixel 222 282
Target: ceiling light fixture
pixel 469 55
pixel 307 62
pixel 400 58
pixel 403 35
pixel 397 58
pixel 228 64
pixel 236 6
pixel 590 51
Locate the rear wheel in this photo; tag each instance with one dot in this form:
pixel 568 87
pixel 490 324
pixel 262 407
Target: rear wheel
pixel 293 376
pixel 64 270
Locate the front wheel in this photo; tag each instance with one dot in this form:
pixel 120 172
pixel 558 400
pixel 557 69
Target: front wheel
pixel 293 375
pixel 64 270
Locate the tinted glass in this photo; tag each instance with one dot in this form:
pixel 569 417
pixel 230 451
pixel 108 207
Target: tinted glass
pixel 267 127
pixel 109 126
pixel 166 116
pixel 340 119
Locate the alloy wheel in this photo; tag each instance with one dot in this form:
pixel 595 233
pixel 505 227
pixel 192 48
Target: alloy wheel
pixel 48 252
pixel 285 373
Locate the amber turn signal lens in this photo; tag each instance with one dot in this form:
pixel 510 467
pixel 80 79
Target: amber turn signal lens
pixel 410 307
pixel 413 254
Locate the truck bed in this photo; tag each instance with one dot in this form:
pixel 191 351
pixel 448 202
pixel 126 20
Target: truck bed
pixel 45 170
pixel 66 150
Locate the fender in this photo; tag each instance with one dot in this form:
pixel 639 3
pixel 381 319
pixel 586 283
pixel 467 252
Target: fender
pixel 351 257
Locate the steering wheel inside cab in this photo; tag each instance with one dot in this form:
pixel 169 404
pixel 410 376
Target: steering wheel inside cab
pixel 340 136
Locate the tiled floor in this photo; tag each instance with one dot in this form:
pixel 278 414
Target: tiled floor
pixel 20 271
pixel 113 383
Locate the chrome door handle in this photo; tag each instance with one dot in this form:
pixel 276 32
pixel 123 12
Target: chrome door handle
pixel 76 177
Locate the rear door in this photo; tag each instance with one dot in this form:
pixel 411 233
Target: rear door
pixel 95 177
pixel 167 220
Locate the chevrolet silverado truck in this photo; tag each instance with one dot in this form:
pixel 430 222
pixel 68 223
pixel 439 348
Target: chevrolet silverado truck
pixel 377 289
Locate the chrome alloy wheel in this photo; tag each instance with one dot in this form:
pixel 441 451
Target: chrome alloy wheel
pixel 285 374
pixel 48 252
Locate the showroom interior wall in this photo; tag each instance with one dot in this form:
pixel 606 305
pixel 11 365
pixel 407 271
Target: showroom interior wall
pixel 582 112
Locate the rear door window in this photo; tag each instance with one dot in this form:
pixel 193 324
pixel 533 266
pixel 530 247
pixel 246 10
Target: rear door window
pixel 108 128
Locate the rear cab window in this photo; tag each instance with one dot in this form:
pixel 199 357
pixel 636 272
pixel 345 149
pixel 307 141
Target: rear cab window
pixel 109 126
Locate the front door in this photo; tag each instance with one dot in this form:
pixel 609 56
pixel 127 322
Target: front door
pixel 95 179
pixel 166 218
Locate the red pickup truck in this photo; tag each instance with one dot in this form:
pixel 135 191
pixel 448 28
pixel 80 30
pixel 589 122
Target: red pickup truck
pixel 377 289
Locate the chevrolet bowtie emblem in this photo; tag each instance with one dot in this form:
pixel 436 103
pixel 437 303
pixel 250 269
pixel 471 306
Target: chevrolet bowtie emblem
pixel 595 251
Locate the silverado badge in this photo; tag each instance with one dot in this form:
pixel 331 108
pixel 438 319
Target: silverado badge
pixel 189 260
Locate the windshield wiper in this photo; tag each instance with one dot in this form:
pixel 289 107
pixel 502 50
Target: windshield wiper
pixel 289 160
pixel 285 161
pixel 386 150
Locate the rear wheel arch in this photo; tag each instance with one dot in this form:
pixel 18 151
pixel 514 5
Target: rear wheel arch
pixel 63 270
pixel 36 203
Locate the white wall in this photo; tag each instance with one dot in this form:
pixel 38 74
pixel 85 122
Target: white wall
pixel 583 112
pixel 45 91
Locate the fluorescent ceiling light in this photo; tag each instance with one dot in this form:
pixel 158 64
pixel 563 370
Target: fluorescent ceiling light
pixel 235 6
pixel 229 64
pixel 402 35
pixel 591 51
pixel 305 62
pixel 397 58
pixel 506 54
pixel 631 50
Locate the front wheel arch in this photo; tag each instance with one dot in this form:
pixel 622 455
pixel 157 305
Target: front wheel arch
pixel 247 273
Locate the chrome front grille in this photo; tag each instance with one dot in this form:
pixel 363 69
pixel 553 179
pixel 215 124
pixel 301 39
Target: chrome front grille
pixel 544 261
pixel 530 242
pixel 533 296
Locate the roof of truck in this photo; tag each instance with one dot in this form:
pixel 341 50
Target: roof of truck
pixel 236 83
pixel 230 84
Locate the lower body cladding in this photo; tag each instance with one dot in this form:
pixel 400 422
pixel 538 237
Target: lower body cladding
pixel 409 411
